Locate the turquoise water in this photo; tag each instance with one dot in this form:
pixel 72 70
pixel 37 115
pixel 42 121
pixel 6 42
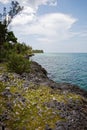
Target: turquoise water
pixel 65 67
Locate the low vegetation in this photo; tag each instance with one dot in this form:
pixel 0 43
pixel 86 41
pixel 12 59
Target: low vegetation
pixel 18 64
pixel 26 108
pixel 29 110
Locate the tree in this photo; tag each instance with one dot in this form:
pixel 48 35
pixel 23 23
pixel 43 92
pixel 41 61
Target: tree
pixel 11 37
pixel 3 33
pixel 6 17
pixel 5 20
pixel 6 36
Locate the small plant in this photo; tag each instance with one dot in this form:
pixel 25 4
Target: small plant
pixel 18 64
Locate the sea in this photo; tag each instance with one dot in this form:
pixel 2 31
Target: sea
pixel 65 67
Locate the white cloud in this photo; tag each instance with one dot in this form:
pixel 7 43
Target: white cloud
pixel 4 1
pixel 50 27
pixel 26 16
pixel 37 3
pixel 30 10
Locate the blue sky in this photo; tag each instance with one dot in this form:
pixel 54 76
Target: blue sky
pixel 52 25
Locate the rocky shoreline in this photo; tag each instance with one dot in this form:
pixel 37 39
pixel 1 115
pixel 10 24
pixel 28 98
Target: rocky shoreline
pixel 67 104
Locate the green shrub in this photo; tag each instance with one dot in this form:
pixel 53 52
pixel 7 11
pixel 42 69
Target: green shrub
pixel 18 64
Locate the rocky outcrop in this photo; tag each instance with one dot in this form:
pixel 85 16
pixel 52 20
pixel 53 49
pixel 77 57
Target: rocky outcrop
pixel 39 76
pixel 64 106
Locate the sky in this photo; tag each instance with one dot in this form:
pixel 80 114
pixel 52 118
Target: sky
pixel 51 25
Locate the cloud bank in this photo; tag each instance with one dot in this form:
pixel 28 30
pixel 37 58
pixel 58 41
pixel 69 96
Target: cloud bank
pixel 49 27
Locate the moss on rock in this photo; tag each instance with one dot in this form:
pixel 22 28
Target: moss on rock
pixel 33 107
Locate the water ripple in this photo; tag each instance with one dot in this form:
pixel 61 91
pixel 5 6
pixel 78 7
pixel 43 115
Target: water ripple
pixel 71 68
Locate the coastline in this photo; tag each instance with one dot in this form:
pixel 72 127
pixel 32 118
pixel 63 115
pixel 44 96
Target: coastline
pixel 66 101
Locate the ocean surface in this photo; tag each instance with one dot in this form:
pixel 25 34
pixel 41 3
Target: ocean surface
pixel 65 67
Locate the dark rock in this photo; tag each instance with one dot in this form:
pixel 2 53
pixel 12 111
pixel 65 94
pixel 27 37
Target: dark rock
pixel 3 117
pixel 47 127
pixel 9 105
pixel 4 77
pixel 36 68
pixel 7 93
pixel 60 125
pixel 60 128
pixel 72 88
